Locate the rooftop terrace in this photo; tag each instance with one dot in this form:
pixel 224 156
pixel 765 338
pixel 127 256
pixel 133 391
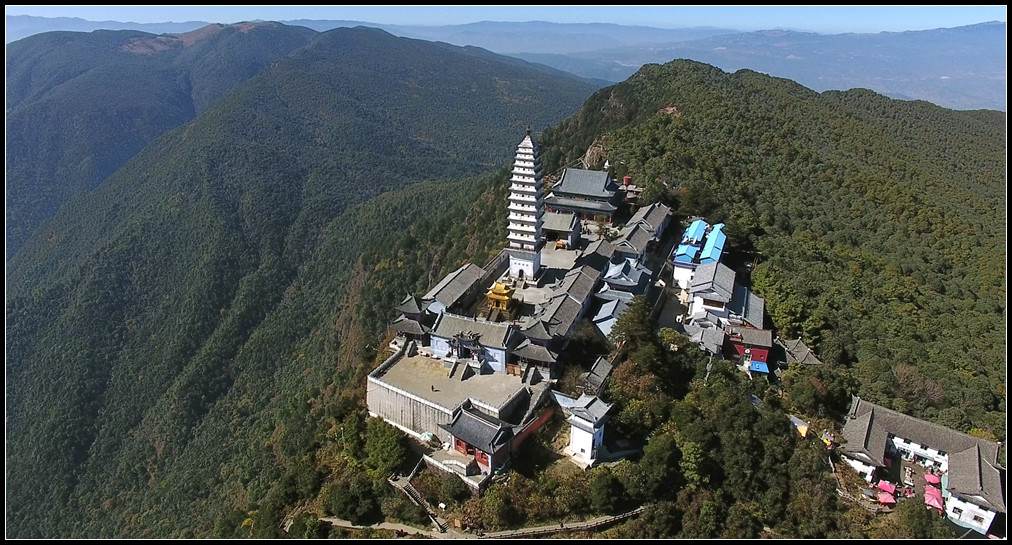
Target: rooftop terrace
pixel 413 373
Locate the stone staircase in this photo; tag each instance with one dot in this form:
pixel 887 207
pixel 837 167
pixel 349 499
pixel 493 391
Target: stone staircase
pixel 405 486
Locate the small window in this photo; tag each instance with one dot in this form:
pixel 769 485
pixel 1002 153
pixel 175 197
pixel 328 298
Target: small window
pixel 957 511
pixel 978 518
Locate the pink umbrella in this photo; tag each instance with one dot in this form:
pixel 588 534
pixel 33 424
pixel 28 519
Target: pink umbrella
pixel 934 500
pixel 931 478
pixel 886 498
pixel 887 486
pixel 933 492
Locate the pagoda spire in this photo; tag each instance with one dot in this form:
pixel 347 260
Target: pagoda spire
pixel 526 211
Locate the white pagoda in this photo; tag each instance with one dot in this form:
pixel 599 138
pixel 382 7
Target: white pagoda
pixel 525 212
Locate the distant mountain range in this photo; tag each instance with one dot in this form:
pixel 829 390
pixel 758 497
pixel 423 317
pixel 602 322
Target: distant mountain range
pixel 501 37
pixel 511 38
pixel 23 26
pixel 960 68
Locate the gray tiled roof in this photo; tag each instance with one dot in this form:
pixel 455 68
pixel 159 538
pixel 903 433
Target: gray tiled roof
pixel 651 216
pixel 627 275
pixel 588 409
pixel 490 334
pixel 597 255
pixel 587 270
pixel 484 432
pixel 607 293
pixel 748 305
pixel 529 350
pixel 972 461
pixel 798 351
pixel 705 316
pixel 710 339
pixel 863 440
pixel 600 247
pixel 611 309
pixel 633 238
pixel 411 305
pixel 535 329
pixel 594 379
pixel 578 285
pixel 407 325
pixel 585 183
pixel 977 481
pixel 753 337
pixel 559 221
pixel 453 286
pixel 560 313
pixel 715 277
pixel 568 203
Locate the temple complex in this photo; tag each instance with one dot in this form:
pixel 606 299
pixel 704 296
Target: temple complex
pixel 477 357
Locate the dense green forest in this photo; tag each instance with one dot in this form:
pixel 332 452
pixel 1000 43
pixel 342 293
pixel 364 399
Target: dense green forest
pixel 79 105
pixel 187 344
pixel 167 331
pixel 873 227
pixel 878 225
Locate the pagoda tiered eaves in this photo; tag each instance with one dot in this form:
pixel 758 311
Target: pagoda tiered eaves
pixel 526 205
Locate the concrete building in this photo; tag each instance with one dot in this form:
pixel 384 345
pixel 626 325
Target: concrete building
pixel 711 290
pixel 417 393
pixel 752 346
pixel 973 484
pixel 587 418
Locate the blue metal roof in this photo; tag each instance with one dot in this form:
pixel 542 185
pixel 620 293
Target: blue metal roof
pixel 759 366
pixel 686 253
pixel 695 232
pixel 714 245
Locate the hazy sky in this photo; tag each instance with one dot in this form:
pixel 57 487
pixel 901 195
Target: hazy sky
pixel 825 19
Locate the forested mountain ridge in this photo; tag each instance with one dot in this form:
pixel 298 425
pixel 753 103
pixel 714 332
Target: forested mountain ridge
pixel 79 105
pixel 168 332
pixel 187 344
pixel 961 67
pixel 18 27
pixel 877 224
